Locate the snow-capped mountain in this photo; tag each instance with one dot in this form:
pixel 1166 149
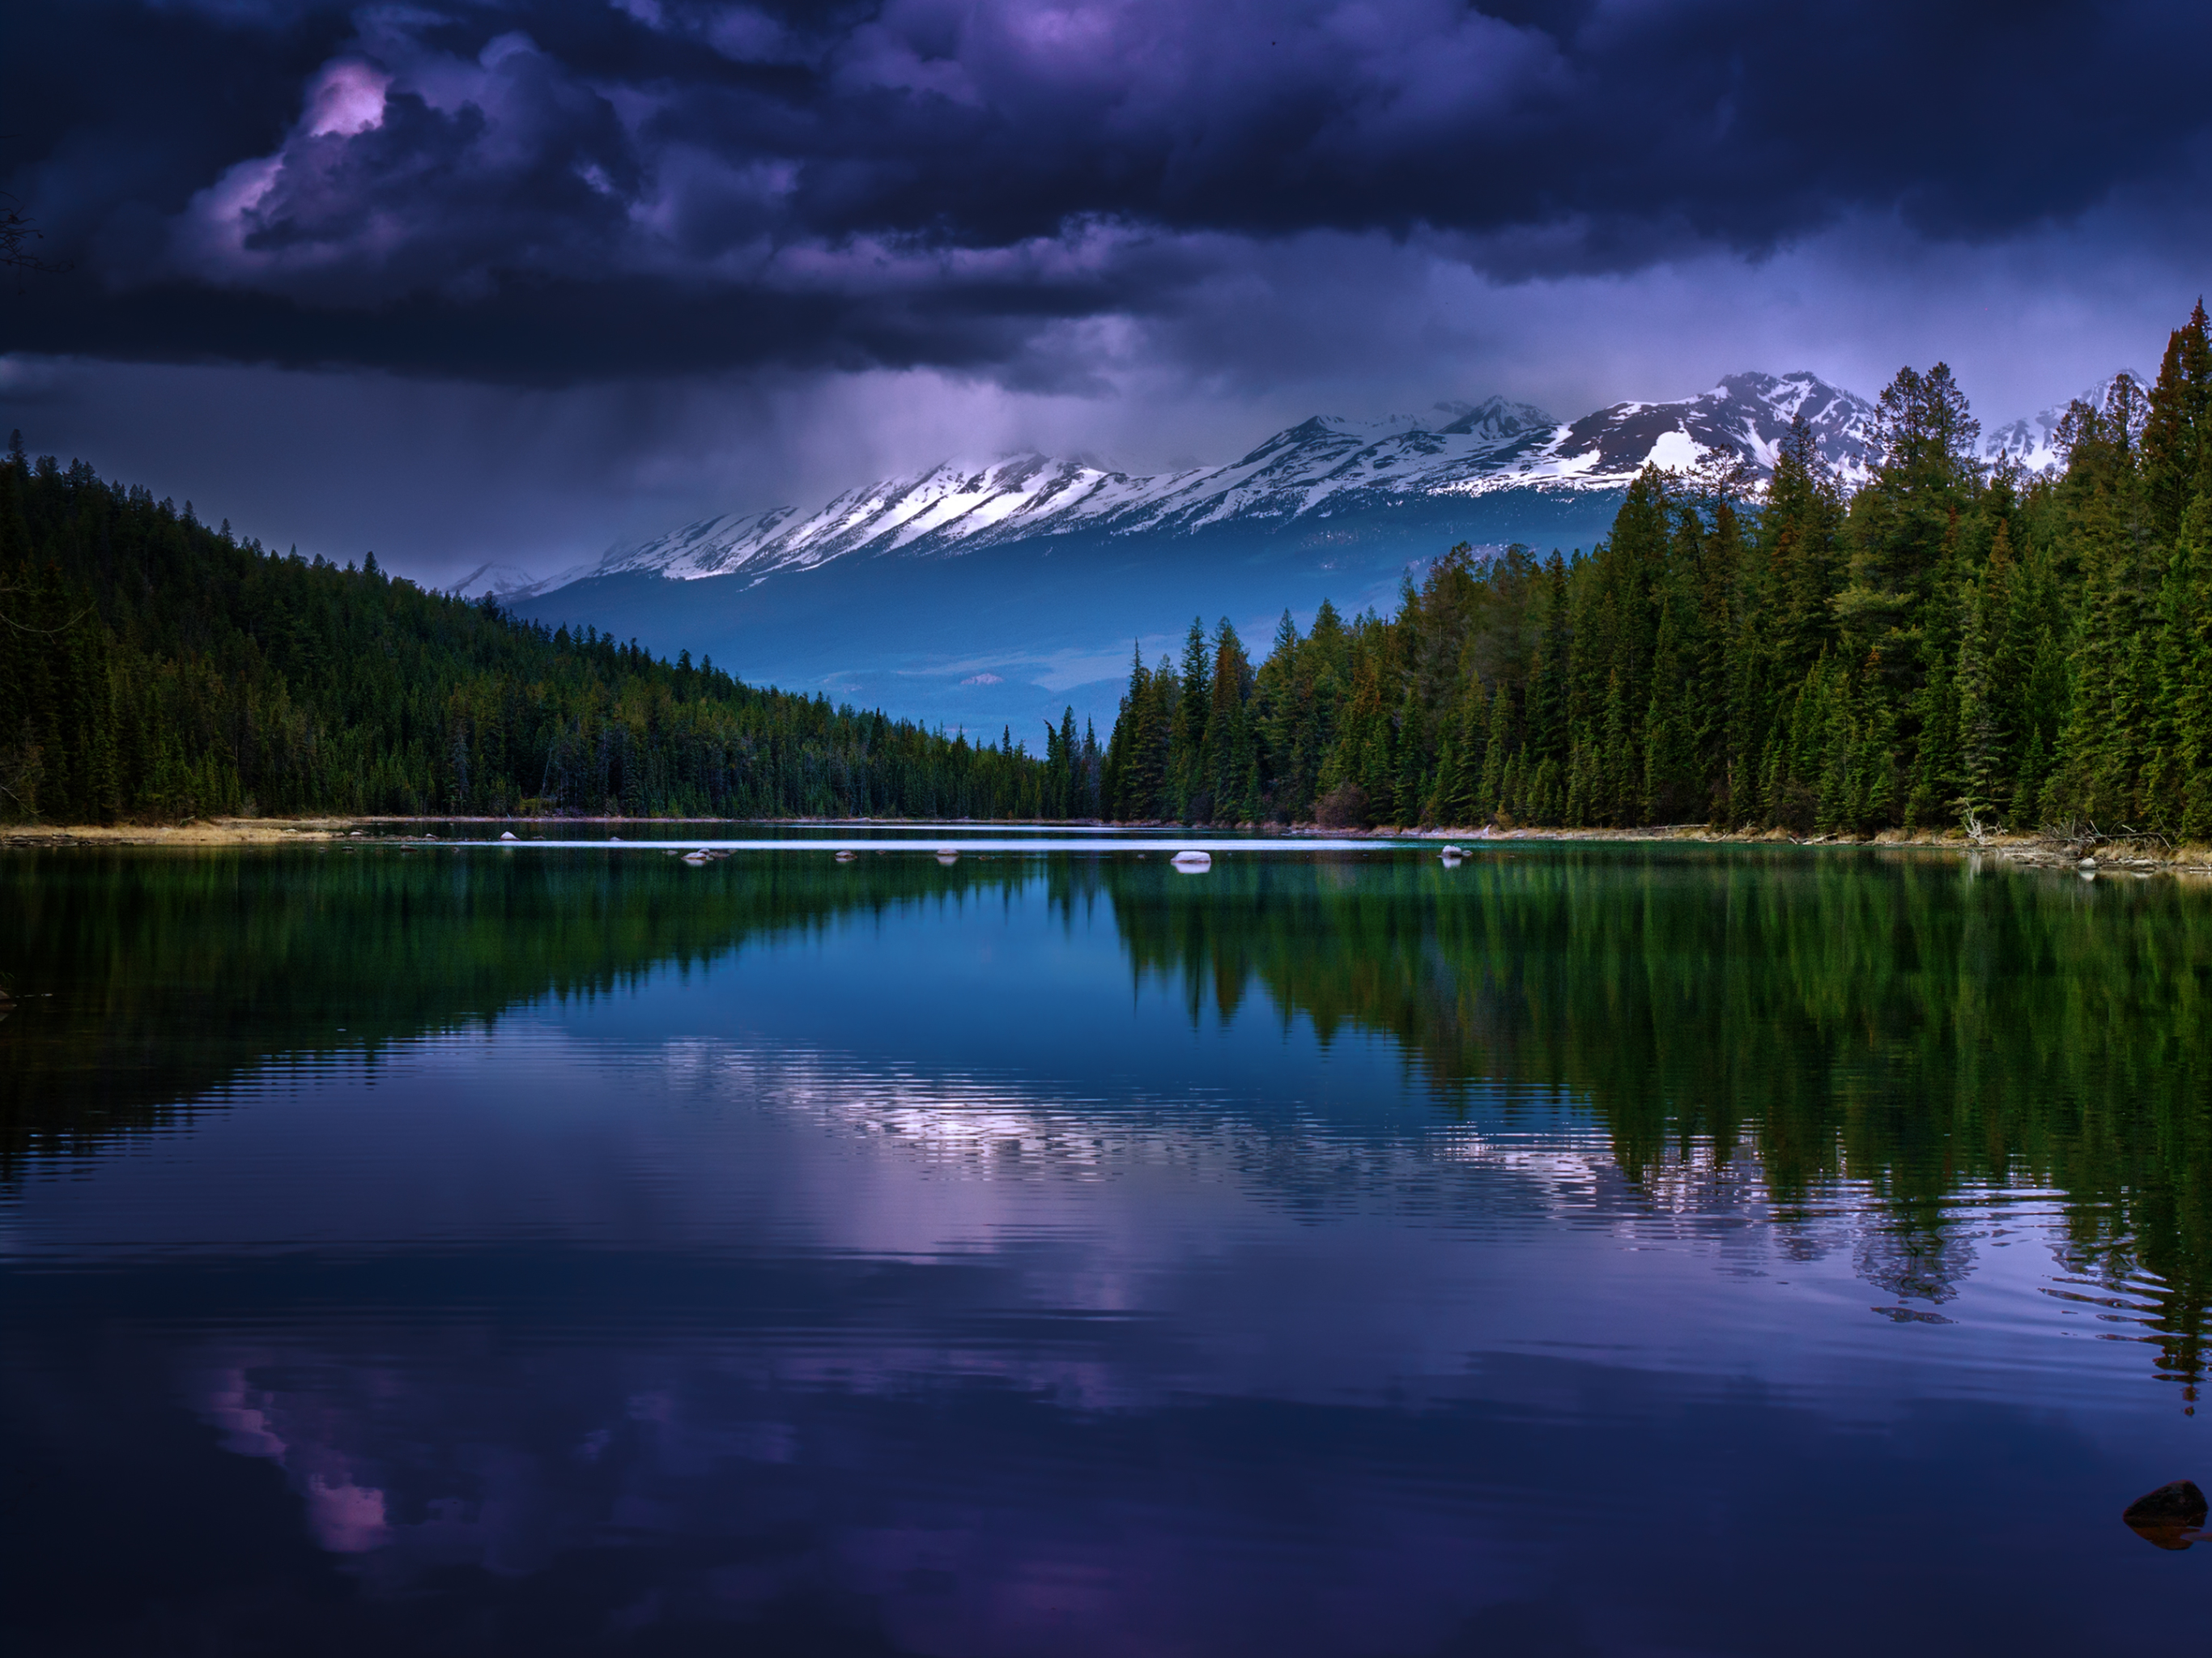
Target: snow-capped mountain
pixel 991 594
pixel 500 579
pixel 1323 469
pixel 2033 440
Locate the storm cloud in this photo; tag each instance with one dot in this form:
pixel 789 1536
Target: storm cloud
pixel 469 280
pixel 573 190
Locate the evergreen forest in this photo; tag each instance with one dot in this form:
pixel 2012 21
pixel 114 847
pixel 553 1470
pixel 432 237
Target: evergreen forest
pixel 1949 643
pixel 152 668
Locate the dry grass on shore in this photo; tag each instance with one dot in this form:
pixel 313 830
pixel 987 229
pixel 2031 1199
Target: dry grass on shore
pixel 193 832
pixel 2146 856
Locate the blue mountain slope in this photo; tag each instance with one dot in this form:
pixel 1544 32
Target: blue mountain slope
pixel 994 593
pixel 1010 634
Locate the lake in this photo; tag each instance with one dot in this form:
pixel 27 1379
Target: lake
pixel 1591 1249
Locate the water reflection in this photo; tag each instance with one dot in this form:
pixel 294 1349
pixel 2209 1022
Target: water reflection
pixel 1884 1036
pixel 1896 1026
pixel 574 1252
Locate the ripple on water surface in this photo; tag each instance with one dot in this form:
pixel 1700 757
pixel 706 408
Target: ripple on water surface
pixel 1602 1249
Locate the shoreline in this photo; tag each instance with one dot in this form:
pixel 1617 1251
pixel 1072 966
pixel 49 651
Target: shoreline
pixel 2132 856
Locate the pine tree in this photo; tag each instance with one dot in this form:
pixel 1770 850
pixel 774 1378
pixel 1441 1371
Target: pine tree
pixel 2178 425
pixel 1231 760
pixel 1189 797
pixel 1497 752
pixel 2189 621
pixel 1982 768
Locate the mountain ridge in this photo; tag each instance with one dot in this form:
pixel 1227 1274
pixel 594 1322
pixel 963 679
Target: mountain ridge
pixel 1325 467
pixel 986 594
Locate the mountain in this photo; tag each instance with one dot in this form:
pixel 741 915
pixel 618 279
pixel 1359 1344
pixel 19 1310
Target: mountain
pixel 993 593
pixel 501 581
pixel 2032 441
pixel 1324 468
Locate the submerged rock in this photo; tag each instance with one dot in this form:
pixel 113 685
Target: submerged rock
pixel 847 856
pixel 2170 1517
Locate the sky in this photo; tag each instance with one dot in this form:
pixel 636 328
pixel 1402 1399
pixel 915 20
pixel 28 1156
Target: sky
pixel 469 280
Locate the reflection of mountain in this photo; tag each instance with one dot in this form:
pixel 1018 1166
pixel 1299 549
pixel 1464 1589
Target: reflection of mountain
pixel 1893 1029
pixel 1896 1023
pixel 171 974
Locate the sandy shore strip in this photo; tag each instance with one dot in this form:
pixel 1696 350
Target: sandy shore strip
pixel 197 832
pixel 2130 856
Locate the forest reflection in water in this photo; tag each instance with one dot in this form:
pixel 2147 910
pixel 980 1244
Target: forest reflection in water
pixel 1914 1028
pixel 1323 1254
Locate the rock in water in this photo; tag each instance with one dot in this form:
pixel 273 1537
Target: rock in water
pixel 2170 1517
pixel 506 834
pixel 1191 862
pixel 2178 1504
pixel 847 856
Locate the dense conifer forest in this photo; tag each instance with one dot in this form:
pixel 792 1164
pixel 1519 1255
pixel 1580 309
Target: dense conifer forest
pixel 1947 644
pixel 153 668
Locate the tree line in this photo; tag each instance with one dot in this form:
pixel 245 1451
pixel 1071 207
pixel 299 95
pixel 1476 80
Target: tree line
pixel 152 668
pixel 1951 642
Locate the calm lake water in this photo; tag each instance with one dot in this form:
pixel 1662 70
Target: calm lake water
pixel 1589 1249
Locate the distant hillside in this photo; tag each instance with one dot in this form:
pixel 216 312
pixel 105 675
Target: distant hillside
pixel 153 668
pixel 994 591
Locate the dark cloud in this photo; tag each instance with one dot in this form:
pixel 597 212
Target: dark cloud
pixel 576 189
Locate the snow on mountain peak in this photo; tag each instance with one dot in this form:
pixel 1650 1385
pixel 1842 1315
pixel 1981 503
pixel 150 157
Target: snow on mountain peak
pixel 1498 419
pixel 1325 467
pixel 507 581
pixel 2032 441
pixel 1748 415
